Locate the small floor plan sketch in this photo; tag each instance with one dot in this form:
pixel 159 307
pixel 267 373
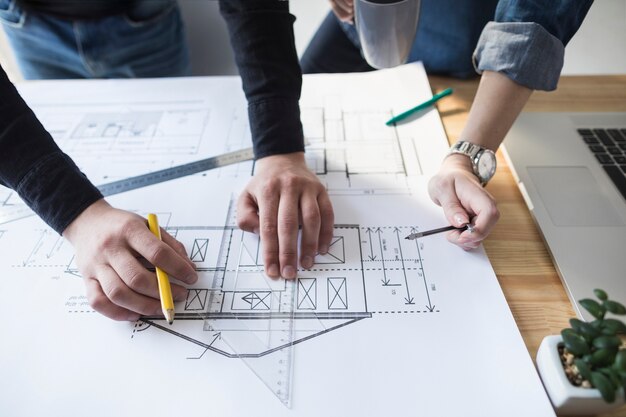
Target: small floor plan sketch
pixel 145 130
pixel 156 131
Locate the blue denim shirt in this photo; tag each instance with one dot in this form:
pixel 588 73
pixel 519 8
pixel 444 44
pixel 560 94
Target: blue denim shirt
pixel 522 39
pixel 526 42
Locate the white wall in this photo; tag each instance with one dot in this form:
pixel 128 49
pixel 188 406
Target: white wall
pixel 598 48
pixel 208 37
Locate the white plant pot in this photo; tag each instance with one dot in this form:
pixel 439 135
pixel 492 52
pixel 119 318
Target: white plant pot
pixel 566 398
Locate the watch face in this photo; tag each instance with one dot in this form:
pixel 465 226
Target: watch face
pixel 486 166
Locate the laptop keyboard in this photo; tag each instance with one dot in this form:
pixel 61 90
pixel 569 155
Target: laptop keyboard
pixel 609 148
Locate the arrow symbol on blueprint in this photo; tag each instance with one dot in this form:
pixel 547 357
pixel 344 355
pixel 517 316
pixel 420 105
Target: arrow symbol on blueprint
pixel 218 336
pixel 385 280
pixel 57 245
pixel 371 256
pixel 35 249
pixel 430 306
pixel 408 298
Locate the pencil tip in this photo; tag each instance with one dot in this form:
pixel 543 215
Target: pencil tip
pixel 169 316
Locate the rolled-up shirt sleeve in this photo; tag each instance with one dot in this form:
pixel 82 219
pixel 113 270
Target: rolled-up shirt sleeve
pixel 527 40
pixel 33 165
pixel 261 33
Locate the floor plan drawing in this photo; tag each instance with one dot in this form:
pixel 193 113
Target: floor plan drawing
pixel 343 286
pixel 367 271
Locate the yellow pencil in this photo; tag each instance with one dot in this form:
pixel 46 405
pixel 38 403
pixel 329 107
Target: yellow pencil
pixel 165 291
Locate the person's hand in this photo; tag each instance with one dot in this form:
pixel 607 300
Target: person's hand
pixel 108 243
pixel 283 194
pixel 457 190
pixel 343 9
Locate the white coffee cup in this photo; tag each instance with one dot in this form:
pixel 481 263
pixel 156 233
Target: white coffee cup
pixel 386 30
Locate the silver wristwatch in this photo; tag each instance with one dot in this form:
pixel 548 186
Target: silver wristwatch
pixel 483 160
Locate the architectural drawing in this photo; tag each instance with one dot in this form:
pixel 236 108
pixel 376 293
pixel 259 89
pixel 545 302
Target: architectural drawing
pixel 368 330
pixel 368 271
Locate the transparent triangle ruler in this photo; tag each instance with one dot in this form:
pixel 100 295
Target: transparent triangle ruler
pixel 257 316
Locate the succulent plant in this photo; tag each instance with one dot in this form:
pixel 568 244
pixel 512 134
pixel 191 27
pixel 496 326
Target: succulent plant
pixel 599 355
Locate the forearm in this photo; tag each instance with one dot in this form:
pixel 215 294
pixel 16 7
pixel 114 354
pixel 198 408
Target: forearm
pixel 497 104
pixel 261 33
pixel 34 166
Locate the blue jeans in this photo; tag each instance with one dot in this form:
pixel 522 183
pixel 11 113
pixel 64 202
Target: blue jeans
pixel 148 41
pixel 447 33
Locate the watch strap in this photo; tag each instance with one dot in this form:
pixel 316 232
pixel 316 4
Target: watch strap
pixel 472 151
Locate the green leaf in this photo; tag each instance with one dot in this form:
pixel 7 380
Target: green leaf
pixel 615 307
pixel 593 307
pixel 602 357
pixel 601 294
pixel 613 375
pixel 613 326
pixel 574 342
pixel 607 342
pixel 620 361
pixel 604 385
pixel 585 329
pixel 568 331
pixel 583 369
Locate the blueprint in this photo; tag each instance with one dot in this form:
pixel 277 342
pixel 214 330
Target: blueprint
pixel 382 325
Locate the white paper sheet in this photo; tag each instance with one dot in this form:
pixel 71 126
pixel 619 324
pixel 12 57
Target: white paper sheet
pixel 409 327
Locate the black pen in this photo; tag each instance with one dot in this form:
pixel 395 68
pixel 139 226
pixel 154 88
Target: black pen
pixel 416 235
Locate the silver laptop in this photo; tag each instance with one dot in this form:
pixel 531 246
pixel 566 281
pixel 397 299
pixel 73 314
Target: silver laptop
pixel 571 170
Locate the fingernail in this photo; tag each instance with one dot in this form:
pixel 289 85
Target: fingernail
pixel 256 231
pixel 191 279
pixel 460 219
pixel 323 249
pixel 272 271
pixel 470 246
pixel 307 262
pixel 182 296
pixel 289 272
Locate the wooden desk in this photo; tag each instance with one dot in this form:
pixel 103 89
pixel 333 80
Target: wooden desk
pixel 516 250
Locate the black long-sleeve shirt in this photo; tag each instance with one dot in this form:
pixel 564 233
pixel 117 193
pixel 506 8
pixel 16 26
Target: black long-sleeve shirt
pixel 261 33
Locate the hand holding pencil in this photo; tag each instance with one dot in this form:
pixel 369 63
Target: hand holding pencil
pixel 109 245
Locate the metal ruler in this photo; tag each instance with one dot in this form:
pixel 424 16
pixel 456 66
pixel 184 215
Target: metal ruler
pixel 11 213
pixel 179 171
